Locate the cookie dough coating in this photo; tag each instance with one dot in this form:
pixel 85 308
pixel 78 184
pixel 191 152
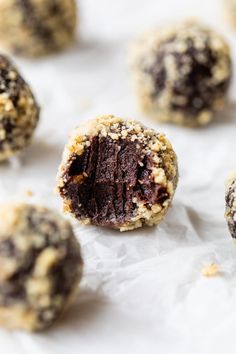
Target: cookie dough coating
pixel 40 264
pixel 117 173
pixel 35 28
pixel 19 112
pixel 181 73
pixel 230 213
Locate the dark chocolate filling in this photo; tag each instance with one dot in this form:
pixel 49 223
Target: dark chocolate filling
pixel 194 86
pixel 102 182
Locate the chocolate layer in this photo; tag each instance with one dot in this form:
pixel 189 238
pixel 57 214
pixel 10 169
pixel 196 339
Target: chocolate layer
pixel 104 182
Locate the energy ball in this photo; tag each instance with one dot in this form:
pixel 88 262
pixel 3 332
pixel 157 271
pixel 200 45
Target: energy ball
pixel 117 173
pixel 182 73
pixel 40 264
pixel 231 204
pixel 35 28
pixel 19 111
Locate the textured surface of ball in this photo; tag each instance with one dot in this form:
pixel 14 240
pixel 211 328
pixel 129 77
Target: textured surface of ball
pixel 37 27
pixel 19 111
pixel 117 173
pixel 182 73
pixel 40 264
pixel 231 204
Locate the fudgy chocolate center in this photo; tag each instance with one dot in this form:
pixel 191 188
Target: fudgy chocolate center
pixel 104 182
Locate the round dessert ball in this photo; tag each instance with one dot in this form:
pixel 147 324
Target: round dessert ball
pixel 19 111
pixel 230 213
pixel 182 73
pixel 40 264
pixel 35 28
pixel 117 173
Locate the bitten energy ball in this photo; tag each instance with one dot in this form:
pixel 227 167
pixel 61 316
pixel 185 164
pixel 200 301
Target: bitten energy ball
pixel 182 73
pixel 117 173
pixel 40 264
pixel 19 112
pixel 231 204
pixel 37 27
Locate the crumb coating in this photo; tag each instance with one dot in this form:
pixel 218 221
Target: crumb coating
pixel 40 263
pixel 35 28
pixel 181 73
pixel 19 111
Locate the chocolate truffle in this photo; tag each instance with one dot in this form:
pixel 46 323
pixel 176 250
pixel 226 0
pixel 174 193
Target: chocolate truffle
pixel 181 73
pixel 35 28
pixel 230 213
pixel 19 112
pixel 117 173
pixel 40 264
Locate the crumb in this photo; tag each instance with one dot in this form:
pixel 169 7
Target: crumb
pixel 210 270
pixel 29 193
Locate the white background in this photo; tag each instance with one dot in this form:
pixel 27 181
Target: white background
pixel 143 291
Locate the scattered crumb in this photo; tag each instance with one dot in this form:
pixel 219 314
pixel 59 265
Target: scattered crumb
pixel 210 270
pixel 29 193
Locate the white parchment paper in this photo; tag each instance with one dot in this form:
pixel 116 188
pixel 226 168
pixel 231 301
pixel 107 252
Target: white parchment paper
pixel 143 291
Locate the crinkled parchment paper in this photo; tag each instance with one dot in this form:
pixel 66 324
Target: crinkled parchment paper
pixel 143 291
